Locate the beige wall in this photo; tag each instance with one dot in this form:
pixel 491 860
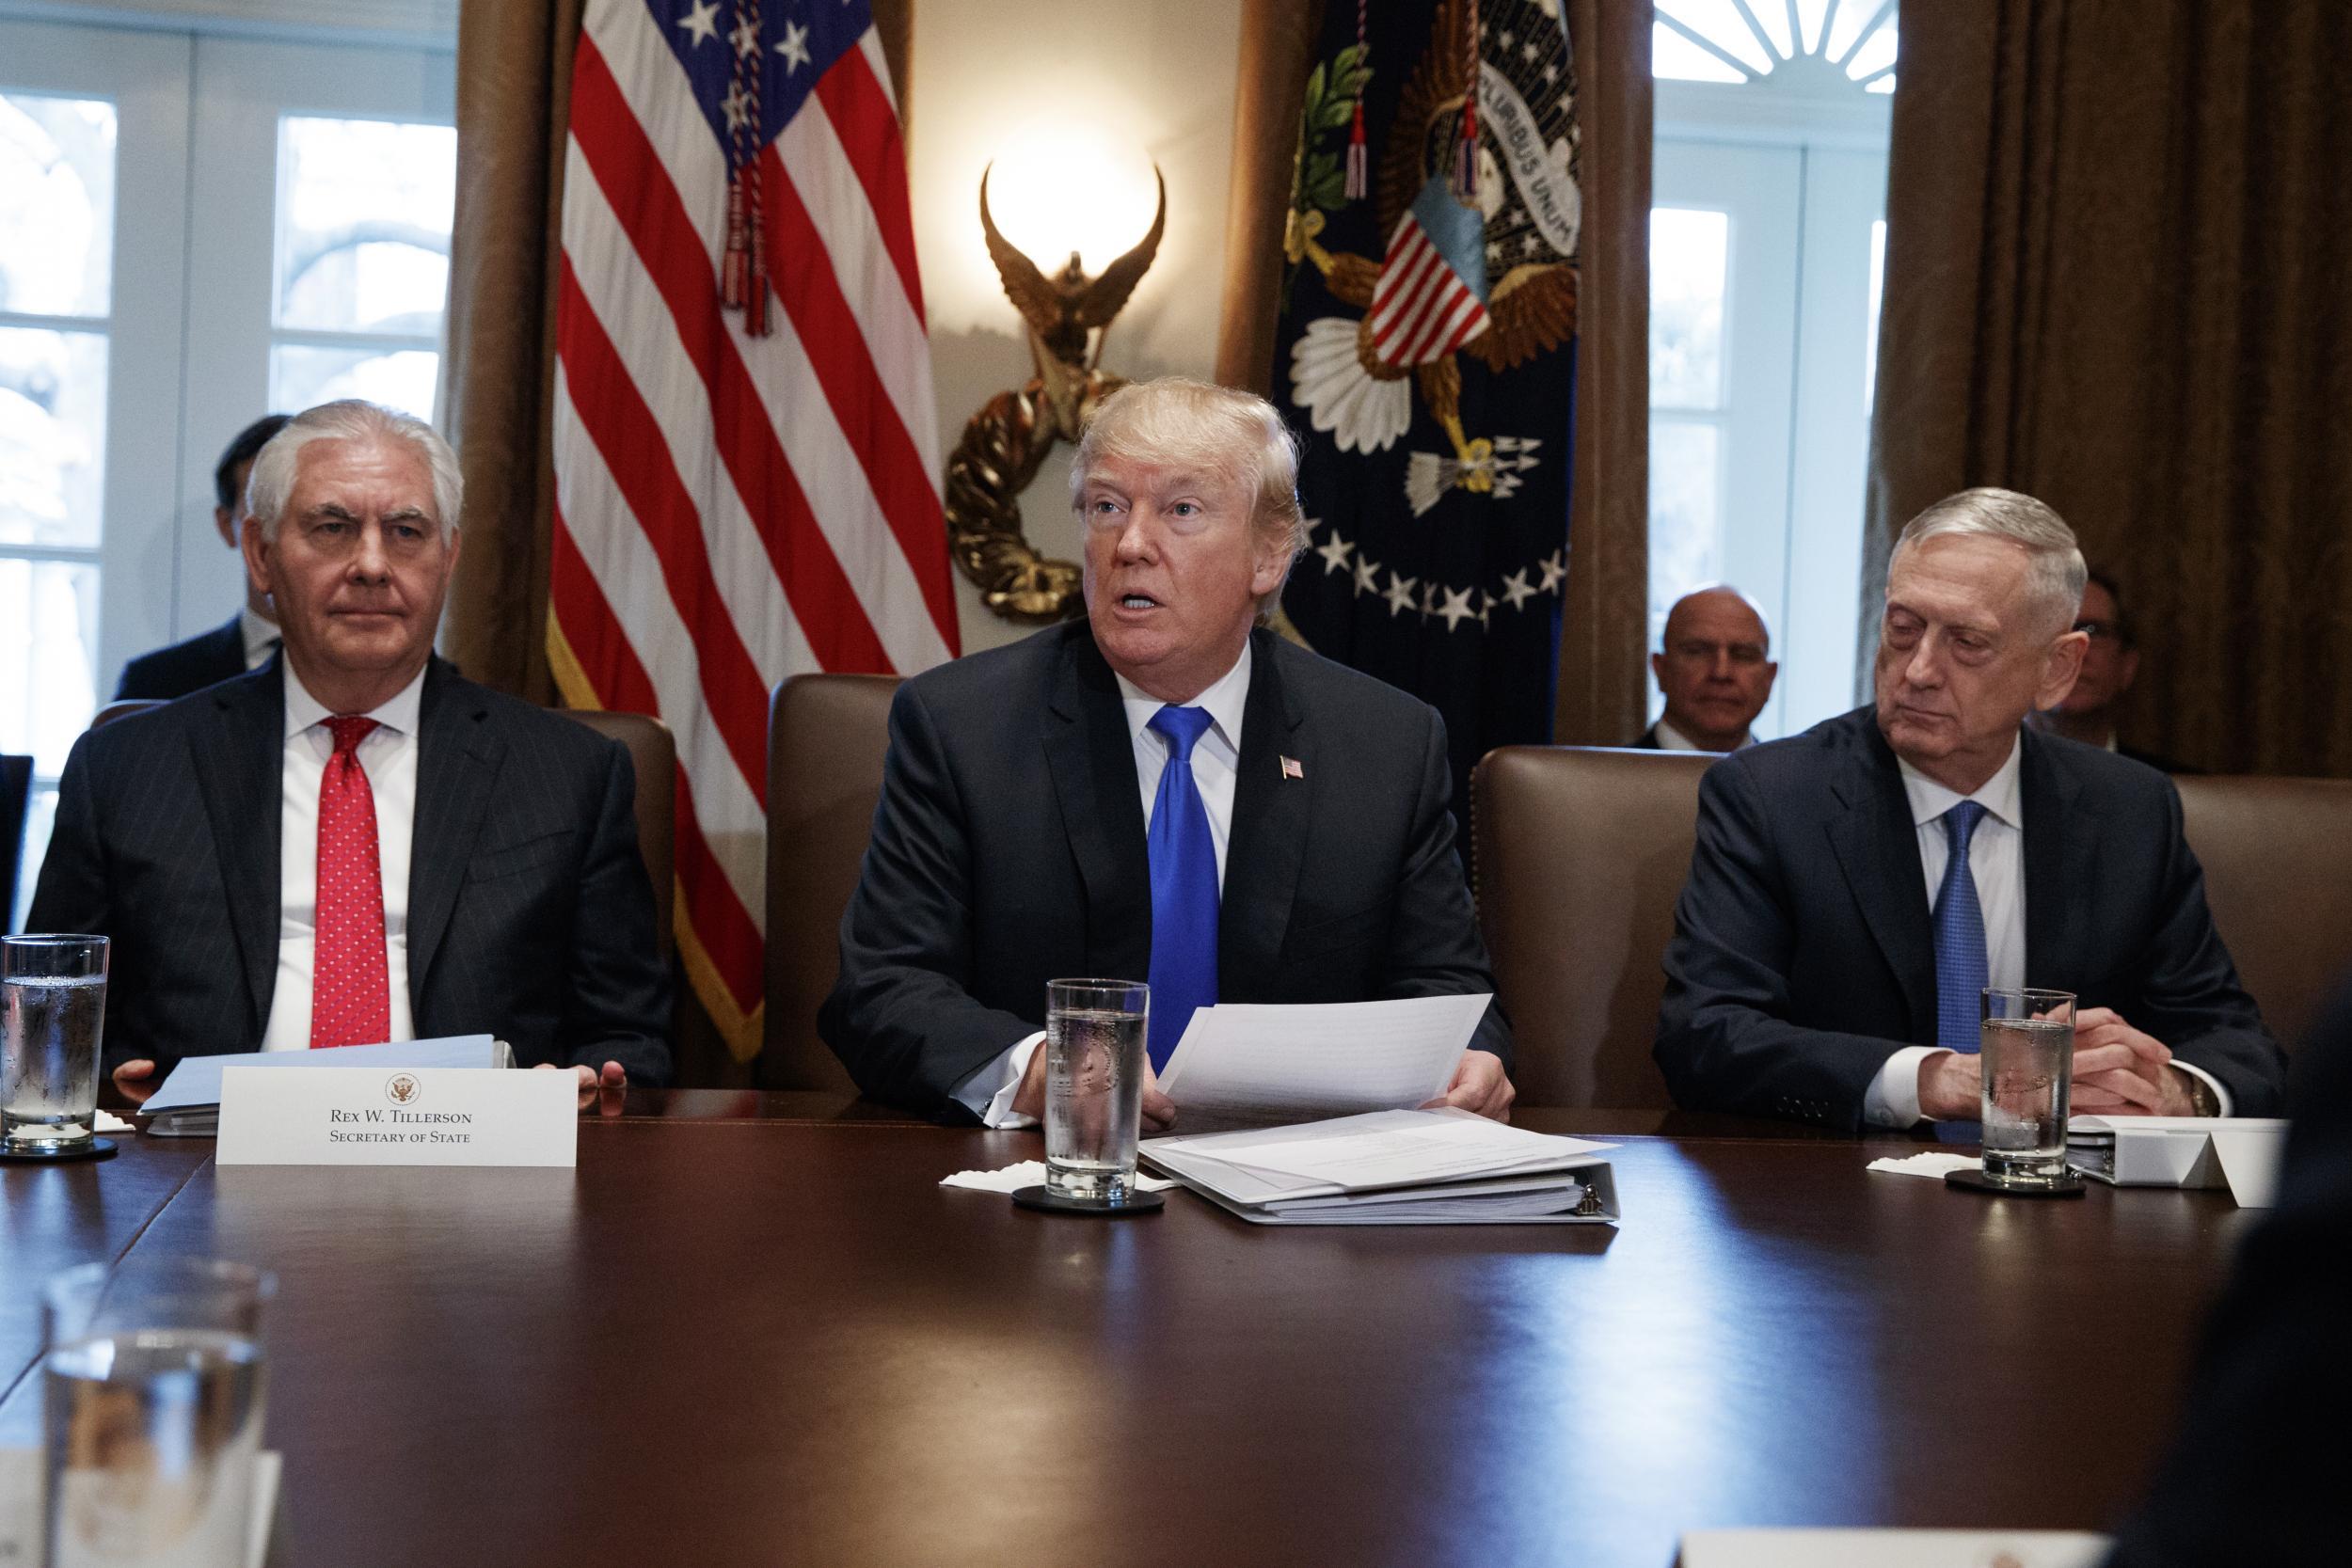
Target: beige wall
pixel 1126 81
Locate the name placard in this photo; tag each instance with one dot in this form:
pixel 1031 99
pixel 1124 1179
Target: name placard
pixel 398 1116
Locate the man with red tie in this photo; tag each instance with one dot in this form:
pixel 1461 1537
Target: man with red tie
pixel 352 843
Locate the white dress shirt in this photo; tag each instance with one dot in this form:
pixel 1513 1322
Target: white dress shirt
pixel 259 635
pixel 1216 764
pixel 1672 739
pixel 1996 860
pixel 389 756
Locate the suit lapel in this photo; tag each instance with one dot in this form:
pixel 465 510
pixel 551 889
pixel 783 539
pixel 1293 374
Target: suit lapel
pixel 1268 841
pixel 240 771
pixel 2061 847
pixel 457 762
pixel 1878 848
pixel 1091 758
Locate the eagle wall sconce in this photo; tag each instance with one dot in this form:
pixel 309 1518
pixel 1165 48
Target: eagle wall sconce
pixel 1005 442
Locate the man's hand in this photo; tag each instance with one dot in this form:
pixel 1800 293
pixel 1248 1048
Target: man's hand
pixel 612 1081
pixel 135 1081
pixel 1952 1087
pixel 2120 1072
pixel 1159 1112
pixel 1480 1085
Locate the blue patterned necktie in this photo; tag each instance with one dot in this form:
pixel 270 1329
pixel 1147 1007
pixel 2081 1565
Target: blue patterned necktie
pixel 1183 888
pixel 1961 968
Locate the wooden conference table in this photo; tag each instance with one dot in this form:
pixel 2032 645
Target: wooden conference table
pixel 752 1329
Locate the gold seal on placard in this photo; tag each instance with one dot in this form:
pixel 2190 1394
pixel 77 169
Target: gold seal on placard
pixel 401 1089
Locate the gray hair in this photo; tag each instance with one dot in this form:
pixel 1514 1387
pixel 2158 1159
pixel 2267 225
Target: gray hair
pixel 272 479
pixel 1175 422
pixel 2055 573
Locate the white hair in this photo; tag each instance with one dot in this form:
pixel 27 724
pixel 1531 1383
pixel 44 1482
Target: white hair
pixel 275 466
pixel 1180 422
pixel 2054 572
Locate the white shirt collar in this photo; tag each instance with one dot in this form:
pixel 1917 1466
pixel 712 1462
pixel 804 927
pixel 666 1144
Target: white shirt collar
pixel 397 714
pixel 1672 739
pixel 1999 795
pixel 258 634
pixel 1225 700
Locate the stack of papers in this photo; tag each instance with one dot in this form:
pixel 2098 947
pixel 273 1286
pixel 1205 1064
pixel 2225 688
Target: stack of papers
pixel 1262 1064
pixel 1395 1167
pixel 188 1104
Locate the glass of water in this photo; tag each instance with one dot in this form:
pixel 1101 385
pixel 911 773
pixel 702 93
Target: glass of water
pixel 152 1399
pixel 2027 1044
pixel 1094 1069
pixel 52 1013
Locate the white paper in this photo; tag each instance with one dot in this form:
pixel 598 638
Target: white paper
pixel 1891 1548
pixel 1032 1173
pixel 196 1081
pixel 1376 1151
pixel 359 1116
pixel 1264 1062
pixel 20 1524
pixel 108 1122
pixel 1227 1161
pixel 1927 1164
pixel 2249 1156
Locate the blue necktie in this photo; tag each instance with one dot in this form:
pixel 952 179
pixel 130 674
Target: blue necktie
pixel 1962 969
pixel 1183 888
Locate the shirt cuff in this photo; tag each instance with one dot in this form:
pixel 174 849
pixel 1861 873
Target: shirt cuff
pixel 1893 1097
pixel 2221 1095
pixel 988 1094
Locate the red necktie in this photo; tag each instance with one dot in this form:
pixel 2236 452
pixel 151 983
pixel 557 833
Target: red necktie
pixel 350 997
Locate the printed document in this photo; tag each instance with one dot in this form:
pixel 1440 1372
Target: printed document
pixel 1256 1062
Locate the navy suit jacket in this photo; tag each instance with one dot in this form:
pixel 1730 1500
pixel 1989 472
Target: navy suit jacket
pixel 1804 952
pixel 202 661
pixel 1008 850
pixel 530 914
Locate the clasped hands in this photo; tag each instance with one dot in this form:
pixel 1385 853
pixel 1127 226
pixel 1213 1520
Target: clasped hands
pixel 1479 1086
pixel 2119 1072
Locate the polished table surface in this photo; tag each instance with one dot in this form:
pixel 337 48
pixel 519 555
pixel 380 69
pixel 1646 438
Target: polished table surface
pixel 755 1329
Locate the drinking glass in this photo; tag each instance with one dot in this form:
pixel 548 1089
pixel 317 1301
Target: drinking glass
pixel 52 1013
pixel 151 1400
pixel 1094 1034
pixel 2026 1040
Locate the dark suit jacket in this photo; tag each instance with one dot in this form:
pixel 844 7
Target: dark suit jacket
pixel 1008 850
pixel 2246 1482
pixel 529 916
pixel 1649 741
pixel 1804 951
pixel 202 661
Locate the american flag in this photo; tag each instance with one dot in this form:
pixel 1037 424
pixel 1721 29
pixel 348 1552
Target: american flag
pixel 1429 300
pixel 738 500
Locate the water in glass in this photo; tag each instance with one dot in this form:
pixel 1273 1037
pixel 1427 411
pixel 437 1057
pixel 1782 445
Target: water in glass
pixel 2027 1067
pixel 50 1029
pixel 1093 1101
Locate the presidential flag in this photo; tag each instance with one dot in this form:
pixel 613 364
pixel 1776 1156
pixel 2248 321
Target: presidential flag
pixel 1426 351
pixel 744 438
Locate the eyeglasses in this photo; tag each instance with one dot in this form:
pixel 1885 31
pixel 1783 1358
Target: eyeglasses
pixel 2100 631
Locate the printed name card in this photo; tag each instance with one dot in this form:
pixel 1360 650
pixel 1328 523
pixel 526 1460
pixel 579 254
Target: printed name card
pixel 398 1116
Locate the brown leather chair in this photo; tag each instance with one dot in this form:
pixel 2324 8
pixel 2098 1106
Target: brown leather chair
pixel 1578 854
pixel 2278 859
pixel 827 736
pixel 651 749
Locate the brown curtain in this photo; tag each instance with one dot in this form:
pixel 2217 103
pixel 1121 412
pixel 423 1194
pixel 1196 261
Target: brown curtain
pixel 2119 276
pixel 1605 628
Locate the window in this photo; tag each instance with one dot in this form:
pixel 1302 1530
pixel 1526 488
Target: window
pixel 194 230
pixel 1767 239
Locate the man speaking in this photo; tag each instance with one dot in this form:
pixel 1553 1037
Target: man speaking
pixel 1855 888
pixel 1164 791
pixel 350 844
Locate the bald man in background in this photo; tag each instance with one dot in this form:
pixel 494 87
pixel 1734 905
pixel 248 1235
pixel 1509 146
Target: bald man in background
pixel 1714 667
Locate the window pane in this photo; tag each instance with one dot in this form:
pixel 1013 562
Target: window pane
pixel 302 376
pixel 1676 59
pixel 1719 23
pixel 1685 509
pixel 363 220
pixel 57 204
pixel 1689 256
pixel 53 436
pixel 1876 54
pixel 48 651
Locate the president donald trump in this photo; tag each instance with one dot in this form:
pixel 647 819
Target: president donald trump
pixel 1166 790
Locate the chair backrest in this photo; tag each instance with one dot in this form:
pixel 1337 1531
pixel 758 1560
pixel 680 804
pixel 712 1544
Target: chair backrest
pixel 1577 855
pixel 827 736
pixel 16 794
pixel 2278 859
pixel 653 751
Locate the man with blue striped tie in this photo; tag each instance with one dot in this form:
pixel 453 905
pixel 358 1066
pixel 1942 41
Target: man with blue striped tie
pixel 1855 888
pixel 1166 790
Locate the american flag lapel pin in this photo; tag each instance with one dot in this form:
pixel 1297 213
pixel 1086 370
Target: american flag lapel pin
pixel 1292 770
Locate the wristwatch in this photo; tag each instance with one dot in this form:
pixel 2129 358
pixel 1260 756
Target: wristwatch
pixel 2203 1101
